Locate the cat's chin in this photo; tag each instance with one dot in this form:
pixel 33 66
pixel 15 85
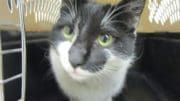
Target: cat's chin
pixel 79 74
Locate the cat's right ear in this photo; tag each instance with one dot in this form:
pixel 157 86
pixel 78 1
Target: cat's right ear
pixel 130 11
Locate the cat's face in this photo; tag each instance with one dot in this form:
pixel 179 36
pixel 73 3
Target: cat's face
pixel 93 39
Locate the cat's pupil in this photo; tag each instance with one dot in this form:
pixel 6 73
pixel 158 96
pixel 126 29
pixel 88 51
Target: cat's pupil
pixel 105 38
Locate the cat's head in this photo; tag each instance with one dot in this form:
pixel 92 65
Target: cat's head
pixel 93 39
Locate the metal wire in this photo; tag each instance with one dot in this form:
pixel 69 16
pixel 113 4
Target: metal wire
pixel 23 46
pixel 10 51
pixel 11 79
pixel 1 73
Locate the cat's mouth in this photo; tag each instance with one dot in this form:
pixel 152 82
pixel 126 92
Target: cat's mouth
pixel 79 74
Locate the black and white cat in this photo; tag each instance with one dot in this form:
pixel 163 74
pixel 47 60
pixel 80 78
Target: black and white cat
pixel 93 47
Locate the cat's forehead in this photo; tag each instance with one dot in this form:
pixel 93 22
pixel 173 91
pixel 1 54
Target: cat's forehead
pixel 91 13
pixel 87 15
pixel 91 8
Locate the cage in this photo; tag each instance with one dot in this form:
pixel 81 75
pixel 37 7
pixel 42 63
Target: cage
pixel 15 42
pixel 21 50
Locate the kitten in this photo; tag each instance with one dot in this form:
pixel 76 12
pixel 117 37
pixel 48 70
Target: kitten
pixel 93 47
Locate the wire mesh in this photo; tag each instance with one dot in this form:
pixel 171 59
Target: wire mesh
pixel 162 11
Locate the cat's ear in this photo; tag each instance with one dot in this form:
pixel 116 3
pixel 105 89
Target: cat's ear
pixel 130 11
pixel 134 6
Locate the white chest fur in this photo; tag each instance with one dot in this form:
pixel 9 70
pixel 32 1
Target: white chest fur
pixel 92 89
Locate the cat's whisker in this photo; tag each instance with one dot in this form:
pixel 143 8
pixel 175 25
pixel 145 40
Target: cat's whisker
pixel 108 13
pixel 75 6
pixel 99 75
pixel 117 14
pixel 103 74
pixel 123 6
pixel 110 20
pixel 70 2
pixel 53 46
pixel 115 21
pixel 106 73
pixel 113 68
pixel 51 43
pixel 70 9
pixel 99 78
pixel 107 17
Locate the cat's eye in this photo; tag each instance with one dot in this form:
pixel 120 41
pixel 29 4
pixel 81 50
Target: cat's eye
pixel 68 35
pixel 105 40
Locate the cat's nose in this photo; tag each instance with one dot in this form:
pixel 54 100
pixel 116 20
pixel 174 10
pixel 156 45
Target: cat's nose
pixel 77 56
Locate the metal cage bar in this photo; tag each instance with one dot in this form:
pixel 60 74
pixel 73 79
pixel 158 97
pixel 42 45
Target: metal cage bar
pixel 1 73
pixel 23 46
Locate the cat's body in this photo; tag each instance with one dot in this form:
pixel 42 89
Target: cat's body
pixel 93 48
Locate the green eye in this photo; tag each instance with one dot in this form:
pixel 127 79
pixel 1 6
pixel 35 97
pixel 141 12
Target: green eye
pixel 105 40
pixel 67 33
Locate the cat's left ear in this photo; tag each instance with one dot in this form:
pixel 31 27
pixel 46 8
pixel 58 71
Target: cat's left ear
pixel 130 11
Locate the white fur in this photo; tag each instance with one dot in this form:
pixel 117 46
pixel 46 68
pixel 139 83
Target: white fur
pixel 81 85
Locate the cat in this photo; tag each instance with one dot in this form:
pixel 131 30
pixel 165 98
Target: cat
pixel 93 47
